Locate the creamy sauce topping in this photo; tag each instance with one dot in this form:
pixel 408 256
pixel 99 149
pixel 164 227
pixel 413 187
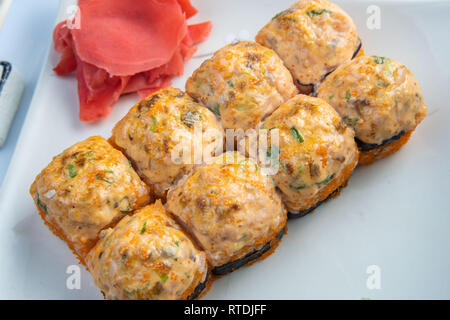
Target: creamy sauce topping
pixel 146 256
pixel 228 205
pixel 242 83
pixel 377 96
pixel 86 187
pixel 314 146
pixel 154 131
pixel 312 38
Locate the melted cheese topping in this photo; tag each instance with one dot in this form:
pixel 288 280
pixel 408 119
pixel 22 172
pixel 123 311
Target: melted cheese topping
pixel 146 256
pixel 314 146
pixel 229 205
pixel 243 83
pixel 377 96
pixel 87 187
pixel 155 132
pixel 312 38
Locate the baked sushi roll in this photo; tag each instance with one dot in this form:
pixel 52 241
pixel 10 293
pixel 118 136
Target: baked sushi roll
pixel 315 154
pixel 232 210
pixel 85 189
pixel 159 136
pixel 312 37
pixel 380 99
pixel 242 83
pixel 147 257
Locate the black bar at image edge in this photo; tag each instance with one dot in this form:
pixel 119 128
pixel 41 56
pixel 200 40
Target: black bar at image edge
pixel 229 309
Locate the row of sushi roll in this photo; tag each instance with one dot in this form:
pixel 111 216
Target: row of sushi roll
pixel 150 227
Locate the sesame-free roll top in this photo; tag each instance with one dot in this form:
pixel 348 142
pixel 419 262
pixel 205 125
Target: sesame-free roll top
pixel 147 257
pixel 378 97
pixel 230 206
pixel 242 83
pixel 86 188
pixel 312 37
pixel 316 152
pixel 165 134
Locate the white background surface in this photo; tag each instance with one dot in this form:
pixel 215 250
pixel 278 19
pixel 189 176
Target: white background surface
pixel 394 214
pixel 24 40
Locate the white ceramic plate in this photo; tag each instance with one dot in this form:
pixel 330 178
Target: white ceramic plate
pixel 394 215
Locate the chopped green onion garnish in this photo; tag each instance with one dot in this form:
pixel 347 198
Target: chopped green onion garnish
pixel 277 15
pixel 352 121
pixel 190 117
pixel 144 227
pixel 297 187
pixel 313 13
pixel 273 152
pixel 347 95
pixel 177 243
pixel 290 19
pixel 163 277
pixel 216 109
pixel 136 291
pixel 297 134
pixel 128 292
pixel 72 170
pixel 323 182
pixel 230 83
pixel 128 206
pixel 244 235
pixel 249 162
pixel 378 60
pixel 99 177
pixel 382 84
pixel 41 205
pixel 153 127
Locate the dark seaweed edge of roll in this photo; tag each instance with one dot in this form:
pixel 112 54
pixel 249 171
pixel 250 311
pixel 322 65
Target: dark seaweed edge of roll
pixel 314 85
pixel 363 146
pixel 358 48
pixel 199 288
pixel 7 67
pixel 233 265
pixel 295 215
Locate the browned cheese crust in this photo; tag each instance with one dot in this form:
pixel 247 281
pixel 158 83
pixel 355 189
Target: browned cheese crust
pixel 85 189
